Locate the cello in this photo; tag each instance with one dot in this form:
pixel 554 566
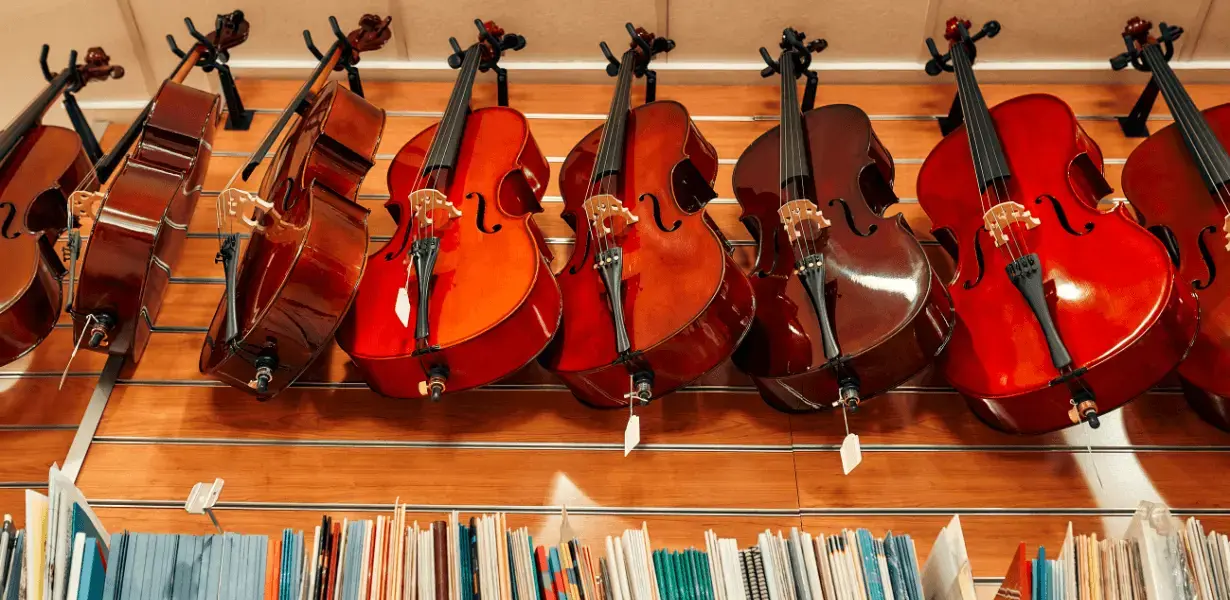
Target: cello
pixel 652 298
pixel 141 221
pixel 847 305
pixel 286 295
pixel 1064 312
pixel 1178 181
pixel 40 167
pixel 467 265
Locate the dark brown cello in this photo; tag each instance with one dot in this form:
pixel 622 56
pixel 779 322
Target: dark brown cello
pixel 1178 181
pixel 847 305
pixel 1064 312
pixel 301 268
pixel 40 167
pixel 467 263
pixel 141 221
pixel 652 299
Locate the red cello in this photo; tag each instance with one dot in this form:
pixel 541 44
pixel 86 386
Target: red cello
pixel 467 264
pixel 847 306
pixel 141 221
pixel 1178 181
pixel 652 300
pixel 1064 312
pixel 40 167
pixel 301 268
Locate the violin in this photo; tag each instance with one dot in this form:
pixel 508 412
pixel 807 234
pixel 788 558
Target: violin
pixel 40 167
pixel 286 295
pixel 141 221
pixel 847 305
pixel 1052 329
pixel 652 298
pixel 1178 181
pixel 467 265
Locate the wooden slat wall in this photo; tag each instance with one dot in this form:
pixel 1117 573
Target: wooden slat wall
pixel 713 457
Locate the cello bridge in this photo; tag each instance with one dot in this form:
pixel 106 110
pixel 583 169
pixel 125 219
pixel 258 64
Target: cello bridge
pixel 1226 228
pixel 240 203
pixel 431 208
pixel 83 204
pixel 608 215
pixel 802 219
pixel 1000 216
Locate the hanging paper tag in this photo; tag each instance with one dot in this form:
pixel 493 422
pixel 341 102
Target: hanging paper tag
pixel 632 434
pixel 403 307
pixel 851 453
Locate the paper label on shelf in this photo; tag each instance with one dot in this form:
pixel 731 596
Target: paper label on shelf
pixel 632 434
pixel 403 307
pixel 851 453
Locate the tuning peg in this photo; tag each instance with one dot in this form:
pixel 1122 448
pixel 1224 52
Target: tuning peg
pixel 990 29
pixel 1121 62
pixel 817 45
pixel 663 45
pixel 612 68
pixel 512 41
pixel 454 59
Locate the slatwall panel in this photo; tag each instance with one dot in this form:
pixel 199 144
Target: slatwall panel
pixel 714 456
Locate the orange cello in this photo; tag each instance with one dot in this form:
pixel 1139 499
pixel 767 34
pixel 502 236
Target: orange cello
pixel 40 167
pixel 300 270
pixel 1064 312
pixel 652 298
pixel 141 221
pixel 1178 181
pixel 462 295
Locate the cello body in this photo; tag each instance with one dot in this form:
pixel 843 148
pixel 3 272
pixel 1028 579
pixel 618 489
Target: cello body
pixel 890 311
pixel 35 181
pixel 1165 187
pixel 302 265
pixel 139 234
pixel 1116 300
pixel 686 303
pixel 495 304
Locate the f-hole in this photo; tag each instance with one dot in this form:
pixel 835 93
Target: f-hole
pixel 1168 240
pixel 6 229
pixel 1062 216
pixel 584 255
pixel 287 198
pixel 1207 255
pixel 657 213
pixel 482 213
pixel 850 219
pixel 969 285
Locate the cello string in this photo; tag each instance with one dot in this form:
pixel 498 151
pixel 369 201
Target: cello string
pixel 785 146
pixel 605 144
pixel 799 153
pixel 1189 122
pixel 963 95
pixel 436 175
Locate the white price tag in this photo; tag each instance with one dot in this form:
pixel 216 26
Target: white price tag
pixel 632 434
pixel 851 453
pixel 403 307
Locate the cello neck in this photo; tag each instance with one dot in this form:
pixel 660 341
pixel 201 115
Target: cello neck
pixel 1209 154
pixel 794 167
pixel 111 161
pixel 610 157
pixel 446 145
pixel 985 148
pixel 310 88
pixel 33 114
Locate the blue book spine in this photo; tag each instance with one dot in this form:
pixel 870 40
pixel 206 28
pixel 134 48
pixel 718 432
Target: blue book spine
pixel 512 572
pixel 534 562
pixel 871 566
pixel 557 577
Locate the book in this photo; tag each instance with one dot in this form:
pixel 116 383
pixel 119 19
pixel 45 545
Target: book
pixel 74 573
pixel 93 575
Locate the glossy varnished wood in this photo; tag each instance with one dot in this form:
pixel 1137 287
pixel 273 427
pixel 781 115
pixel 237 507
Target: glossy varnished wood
pixel 889 310
pixel 686 303
pixel 138 236
pixel 1125 317
pixel 1163 180
pixel 494 303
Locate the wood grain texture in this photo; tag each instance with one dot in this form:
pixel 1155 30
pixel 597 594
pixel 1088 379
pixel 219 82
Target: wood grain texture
pixel 445 477
pixel 28 454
